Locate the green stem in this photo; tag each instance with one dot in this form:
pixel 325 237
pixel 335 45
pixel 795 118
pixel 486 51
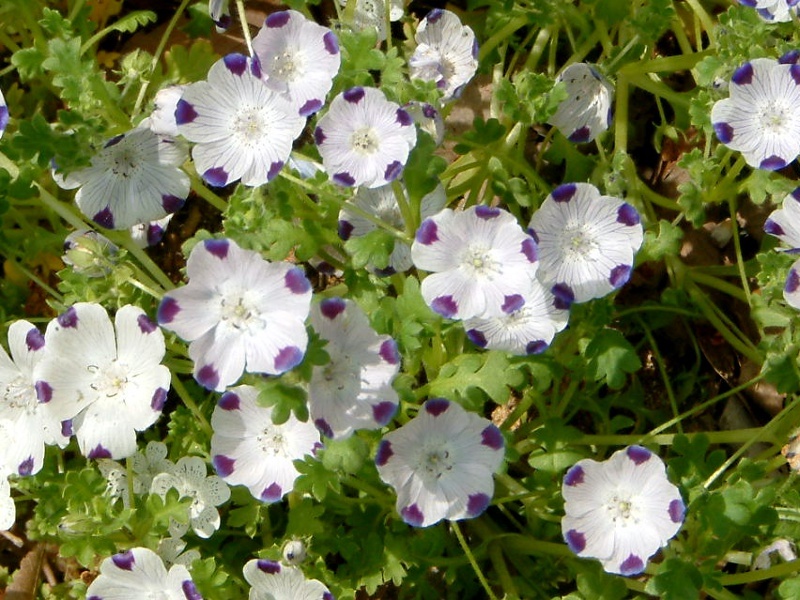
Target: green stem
pixel 199 188
pixel 679 62
pixel 658 88
pixel 775 572
pixel 717 284
pixel 539 44
pixel 370 491
pixel 500 36
pixel 245 26
pixel 621 118
pixel 737 245
pixel 472 561
pixel 705 19
pixel 144 259
pixel 189 402
pixel 673 402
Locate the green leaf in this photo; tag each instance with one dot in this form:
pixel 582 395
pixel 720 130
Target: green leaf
pixel 676 580
pixel 28 62
pixel 304 519
pixel 284 399
pixel 132 21
pixel 610 358
pixel 372 249
pixel 486 371
pixel 596 584
pixel 192 64
pixel 345 456
pixel 667 242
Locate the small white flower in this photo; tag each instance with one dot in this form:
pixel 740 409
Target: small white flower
pixel 371 14
pixel 162 119
pixel 239 313
pixel 364 139
pixel 427 118
pixel 107 377
pixel 354 390
pixel 117 487
pixel 586 242
pixel 135 178
pixel 760 118
pixel 784 223
pixel 8 510
pixel 207 492
pixel 242 128
pixel 248 449
pixel 483 264
pixel 446 52
pixel 149 234
pixel 171 551
pixel 586 111
pixel 774 11
pixel 139 573
pixel 441 463
pixel 620 511
pixel 294 552
pixel 146 466
pixel 784 549
pixel 220 13
pixel 3 114
pixel 272 581
pixel 299 59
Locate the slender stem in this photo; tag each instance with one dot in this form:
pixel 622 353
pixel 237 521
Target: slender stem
pixel 189 402
pixel 781 570
pixel 737 245
pixel 662 369
pixel 245 26
pixel 144 259
pixel 718 284
pixel 679 62
pixel 199 188
pixel 704 18
pixel 621 119
pixel 539 44
pixel 500 36
pixel 472 561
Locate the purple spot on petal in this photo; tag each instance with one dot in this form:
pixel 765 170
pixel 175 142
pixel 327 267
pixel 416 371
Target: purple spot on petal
pixel 216 176
pixel 429 111
pixel 105 218
pixel 564 296
pixel 492 438
pixel 319 136
pixel 796 194
pixel 533 234
pixel 344 178
pixel 384 453
pixel 383 412
pixel 269 566
pixel 255 66
pixel 794 71
pixel 272 493
pixel 354 95
pixel 114 141
pixel 445 306
pixel 436 406
pixel 724 132
pixel 476 504
pixel 633 565
pixel 627 215
pixel 385 272
pixel 158 399
pixel 224 465
pixel 530 249
pixel 791 57
pixel 743 75
pixel 218 248
pixel 167 310
pixel 68 318
pixel 412 515
pixel 773 228
pixel 677 511
pixel 475 50
pixel 404 118
pixel 426 234
pixel 434 15
pixel 486 212
pixel 25 468
pixel 792 282
pixel 574 476
pixel 34 340
pixel 638 454
pixel 393 170
pixel 3 117
pixel 296 280
pixel 274 169
pixel 619 275
pixel 512 303
pixel 310 107
pixel 208 377
pixel 99 452
pixel 288 358
pixel 66 428
pixel 171 203
pixel 580 135
pixel 145 324
pixel 184 112
pixel 476 337
pixel 43 391
pixel 564 193
pixel 236 63
pixel 327 596
pixel 331 43
pixel 124 560
pixel 332 307
pixel 772 163
pixel 575 540
pixel 750 3
pixel 345 229
pixel 323 426
pixel 229 401
pixel 389 353
pixel 190 590
pixel 278 19
pixel 536 347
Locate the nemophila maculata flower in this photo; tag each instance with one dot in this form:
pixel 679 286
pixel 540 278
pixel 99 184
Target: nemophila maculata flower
pixel 25 426
pixel 220 13
pixel 354 389
pixel 364 139
pixel 382 203
pixel 371 14
pixel 162 120
pixel 149 234
pixel 441 463
pixel 482 263
pixel 446 52
pixel 107 378
pixel 620 511
pixel 239 313
pixel 586 111
pixel 587 242
pixel 784 223
pixel 298 58
pixel 248 449
pixel 774 11
pixel 270 580
pixel 242 129
pixel 527 330
pixel 146 466
pixel 190 477
pixel 139 573
pixel 427 118
pixel 3 114
pixel 760 118
pixel 8 510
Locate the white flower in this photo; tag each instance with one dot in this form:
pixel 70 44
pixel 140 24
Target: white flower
pixel 207 492
pixel 586 242
pixel 382 203
pixel 784 549
pixel 299 59
pixel 760 118
pixel 427 118
pixel 294 552
pixel 3 114
pixel 364 139
pixel 239 313
pixel 243 129
pixel 620 511
pixel 8 510
pixel 446 52
pixel 354 390
pixel 25 426
pixel 371 14
pixel 107 378
pixel 171 551
pixel 117 487
pixel 272 581
pixel 775 11
pixel 247 448
pixel 135 178
pixel 441 463
pixel 149 234
pixel 162 119
pixel 146 466
pixel 528 330
pixel 483 263
pixel 586 111
pixel 784 223
pixel 139 573
pixel 220 13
